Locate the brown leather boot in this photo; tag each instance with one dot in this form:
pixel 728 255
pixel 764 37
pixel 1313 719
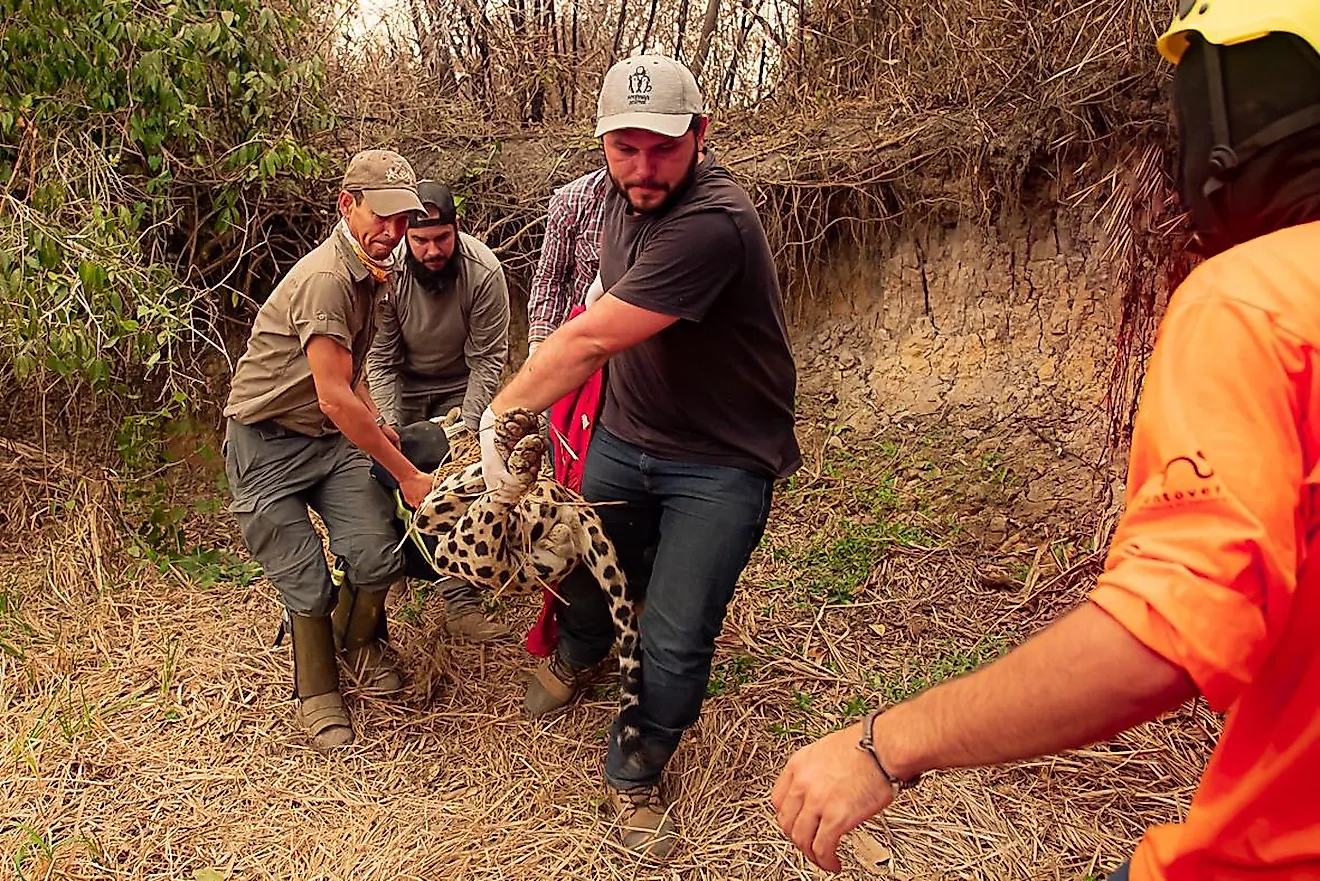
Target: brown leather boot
pixel 643 821
pixel 470 625
pixel 321 707
pixel 555 684
pixel 360 632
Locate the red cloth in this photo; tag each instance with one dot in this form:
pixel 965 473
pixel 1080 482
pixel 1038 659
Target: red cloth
pixel 572 420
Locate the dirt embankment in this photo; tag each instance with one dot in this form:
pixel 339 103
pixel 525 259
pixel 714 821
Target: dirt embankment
pixel 1005 333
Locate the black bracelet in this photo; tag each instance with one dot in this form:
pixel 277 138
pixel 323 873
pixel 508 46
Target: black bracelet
pixel 867 745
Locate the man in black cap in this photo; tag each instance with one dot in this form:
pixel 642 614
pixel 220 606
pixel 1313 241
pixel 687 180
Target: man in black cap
pixel 442 343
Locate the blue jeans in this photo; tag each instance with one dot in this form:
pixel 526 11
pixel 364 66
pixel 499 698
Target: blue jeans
pixel 683 535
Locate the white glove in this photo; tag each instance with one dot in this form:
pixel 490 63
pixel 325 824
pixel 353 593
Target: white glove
pixel 499 482
pixel 595 292
pixel 531 348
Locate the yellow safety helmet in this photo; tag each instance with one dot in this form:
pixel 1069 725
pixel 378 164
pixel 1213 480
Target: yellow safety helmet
pixel 1271 50
pixel 1228 22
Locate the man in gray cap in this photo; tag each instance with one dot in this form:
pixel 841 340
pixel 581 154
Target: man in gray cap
pixel 697 422
pixel 301 422
pixel 442 343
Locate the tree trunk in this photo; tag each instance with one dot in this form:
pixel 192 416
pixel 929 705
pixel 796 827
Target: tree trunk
pixel 744 28
pixel 707 31
pixel 801 39
pixel 650 23
pixel 618 31
pixel 682 27
pixel 576 56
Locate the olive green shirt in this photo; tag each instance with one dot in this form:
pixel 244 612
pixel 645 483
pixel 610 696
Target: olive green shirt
pixel 326 293
pixel 446 342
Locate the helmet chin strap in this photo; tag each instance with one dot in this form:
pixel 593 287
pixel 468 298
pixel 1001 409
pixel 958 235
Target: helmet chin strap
pixel 1225 158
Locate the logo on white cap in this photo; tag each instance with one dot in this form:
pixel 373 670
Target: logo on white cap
pixel 639 87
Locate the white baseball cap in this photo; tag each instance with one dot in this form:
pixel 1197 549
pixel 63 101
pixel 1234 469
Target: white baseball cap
pixel 650 92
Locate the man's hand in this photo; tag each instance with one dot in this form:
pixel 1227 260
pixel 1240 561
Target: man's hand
pixel 1080 680
pixel 826 790
pixel 493 468
pixel 416 488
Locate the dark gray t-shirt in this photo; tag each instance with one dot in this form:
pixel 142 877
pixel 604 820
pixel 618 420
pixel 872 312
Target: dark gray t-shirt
pixel 718 385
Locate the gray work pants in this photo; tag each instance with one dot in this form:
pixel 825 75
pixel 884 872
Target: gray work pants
pixel 275 475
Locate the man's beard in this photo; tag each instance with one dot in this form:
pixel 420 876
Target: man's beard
pixel 434 279
pixel 673 194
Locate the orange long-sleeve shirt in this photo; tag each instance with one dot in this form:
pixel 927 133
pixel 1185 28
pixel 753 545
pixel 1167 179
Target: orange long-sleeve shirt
pixel 1214 565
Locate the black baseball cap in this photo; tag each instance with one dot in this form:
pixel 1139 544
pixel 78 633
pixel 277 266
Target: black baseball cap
pixel 434 195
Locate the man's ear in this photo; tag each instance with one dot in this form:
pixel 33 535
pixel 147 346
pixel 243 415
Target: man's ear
pixel 701 132
pixel 346 203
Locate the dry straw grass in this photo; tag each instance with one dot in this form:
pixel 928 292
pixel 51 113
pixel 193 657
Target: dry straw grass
pixel 147 724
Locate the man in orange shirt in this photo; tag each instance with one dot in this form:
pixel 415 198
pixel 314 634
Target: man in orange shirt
pixel 1209 586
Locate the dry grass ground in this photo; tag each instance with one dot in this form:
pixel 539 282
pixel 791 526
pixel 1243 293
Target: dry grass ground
pixel 147 728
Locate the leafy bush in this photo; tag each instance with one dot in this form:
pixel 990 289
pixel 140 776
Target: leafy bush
pixel 140 144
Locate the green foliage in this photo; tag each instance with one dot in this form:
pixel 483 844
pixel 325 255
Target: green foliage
pixel 137 143
pixel 835 568
pixel 954 660
pixel 730 675
pixel 185 83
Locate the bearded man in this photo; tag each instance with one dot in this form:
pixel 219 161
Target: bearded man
pixel 442 343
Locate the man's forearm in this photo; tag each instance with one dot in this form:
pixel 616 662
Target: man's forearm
pixel 1081 680
pixel 483 380
pixel 352 416
pixel 562 363
pixel 384 389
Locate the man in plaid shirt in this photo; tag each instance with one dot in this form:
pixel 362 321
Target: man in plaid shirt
pixel 570 254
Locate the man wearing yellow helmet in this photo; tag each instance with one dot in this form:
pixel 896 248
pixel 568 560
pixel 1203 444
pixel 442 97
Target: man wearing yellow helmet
pixel 1209 587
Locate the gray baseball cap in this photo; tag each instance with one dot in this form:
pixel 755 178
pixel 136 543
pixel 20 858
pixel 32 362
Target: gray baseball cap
pixel 651 92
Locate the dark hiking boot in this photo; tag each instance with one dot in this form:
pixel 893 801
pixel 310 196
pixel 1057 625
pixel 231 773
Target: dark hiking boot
pixel 470 625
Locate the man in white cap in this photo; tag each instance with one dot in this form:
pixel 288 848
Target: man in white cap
pixel 696 426
pixel 301 424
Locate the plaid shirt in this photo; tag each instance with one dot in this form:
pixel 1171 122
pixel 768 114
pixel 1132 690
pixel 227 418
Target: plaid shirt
pixel 570 254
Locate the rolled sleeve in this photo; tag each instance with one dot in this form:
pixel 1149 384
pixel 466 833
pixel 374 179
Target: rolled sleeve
pixel 321 306
pixel 1202 568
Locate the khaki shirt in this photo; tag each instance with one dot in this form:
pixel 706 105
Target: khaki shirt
pixel 326 293
pixel 446 342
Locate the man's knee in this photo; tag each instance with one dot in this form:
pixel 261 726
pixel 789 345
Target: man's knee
pixel 373 562
pixel 292 558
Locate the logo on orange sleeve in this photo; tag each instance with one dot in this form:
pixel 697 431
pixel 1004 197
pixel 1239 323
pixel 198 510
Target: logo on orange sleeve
pixel 1185 480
